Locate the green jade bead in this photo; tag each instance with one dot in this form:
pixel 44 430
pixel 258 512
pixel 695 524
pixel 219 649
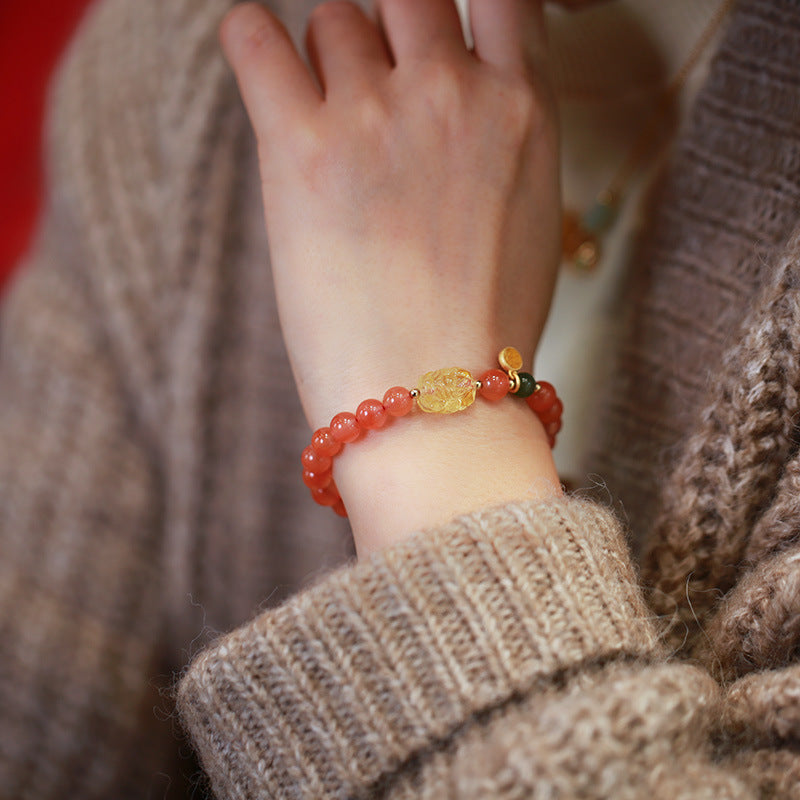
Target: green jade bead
pixel 599 218
pixel 527 385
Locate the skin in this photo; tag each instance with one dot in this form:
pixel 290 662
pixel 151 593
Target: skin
pixel 411 197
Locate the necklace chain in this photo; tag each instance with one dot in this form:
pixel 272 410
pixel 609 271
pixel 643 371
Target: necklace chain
pixel 581 247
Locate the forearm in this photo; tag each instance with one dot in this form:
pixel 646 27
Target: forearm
pixel 426 469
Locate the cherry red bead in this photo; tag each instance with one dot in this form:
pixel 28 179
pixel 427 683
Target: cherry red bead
pixel 314 462
pixel 551 440
pixel 552 414
pixel 345 427
pixel 495 384
pixel 542 398
pixel 371 414
pixel 340 509
pixel 329 496
pixel 552 428
pixel 317 480
pixel 398 401
pixel 323 442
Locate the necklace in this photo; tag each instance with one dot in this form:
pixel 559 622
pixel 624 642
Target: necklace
pixel 582 233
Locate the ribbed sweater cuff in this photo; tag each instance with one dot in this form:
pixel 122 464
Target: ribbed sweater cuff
pixel 329 693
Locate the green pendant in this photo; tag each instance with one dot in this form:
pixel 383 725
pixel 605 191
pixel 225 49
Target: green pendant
pixel 600 217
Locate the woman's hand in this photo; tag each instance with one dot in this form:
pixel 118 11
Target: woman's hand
pixel 411 195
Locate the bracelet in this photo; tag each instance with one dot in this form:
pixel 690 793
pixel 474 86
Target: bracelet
pixel 444 391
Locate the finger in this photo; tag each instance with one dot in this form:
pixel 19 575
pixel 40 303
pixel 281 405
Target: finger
pixel 345 47
pixel 275 83
pixel 422 28
pixel 578 5
pixel 509 33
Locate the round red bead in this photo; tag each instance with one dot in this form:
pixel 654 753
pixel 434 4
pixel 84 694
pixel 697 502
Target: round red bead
pixel 329 496
pixel 323 442
pixel 552 414
pixel 552 428
pixel 340 509
pixel 345 427
pixel 551 440
pixel 398 401
pixel 495 384
pixel 542 398
pixel 317 480
pixel 314 462
pixel 371 414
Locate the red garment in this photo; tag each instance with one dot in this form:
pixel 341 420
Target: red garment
pixel 32 36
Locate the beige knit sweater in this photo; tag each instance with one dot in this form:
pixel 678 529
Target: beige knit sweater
pixel 148 498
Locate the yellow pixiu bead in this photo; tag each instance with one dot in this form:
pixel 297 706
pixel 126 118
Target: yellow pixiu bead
pixel 446 391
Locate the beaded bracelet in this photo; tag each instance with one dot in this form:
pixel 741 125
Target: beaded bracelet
pixel 443 391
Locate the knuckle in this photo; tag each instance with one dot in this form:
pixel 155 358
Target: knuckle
pixel 443 89
pixel 323 161
pixel 526 111
pixel 311 150
pixel 371 115
pixel 520 106
pixel 306 152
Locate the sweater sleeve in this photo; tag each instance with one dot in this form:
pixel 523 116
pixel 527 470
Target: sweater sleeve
pixel 81 476
pixel 79 527
pixel 508 654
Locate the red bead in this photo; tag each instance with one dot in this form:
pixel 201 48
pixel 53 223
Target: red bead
pixel 317 480
pixel 340 509
pixel 495 384
pixel 329 496
pixel 345 427
pixel 551 440
pixel 323 442
pixel 398 401
pixel 371 414
pixel 314 462
pixel 542 398
pixel 552 428
pixel 552 414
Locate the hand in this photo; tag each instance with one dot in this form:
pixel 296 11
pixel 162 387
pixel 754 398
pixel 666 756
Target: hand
pixel 412 202
pixel 410 189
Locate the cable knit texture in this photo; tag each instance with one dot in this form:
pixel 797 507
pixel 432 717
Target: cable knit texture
pixel 147 502
pixel 721 220
pixel 341 687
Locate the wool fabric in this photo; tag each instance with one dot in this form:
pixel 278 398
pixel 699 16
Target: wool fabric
pixel 146 505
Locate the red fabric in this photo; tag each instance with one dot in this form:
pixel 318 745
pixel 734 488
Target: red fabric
pixel 32 36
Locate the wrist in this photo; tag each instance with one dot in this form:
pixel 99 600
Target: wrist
pixel 428 468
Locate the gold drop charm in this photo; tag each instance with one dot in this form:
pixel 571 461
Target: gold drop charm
pixel 511 361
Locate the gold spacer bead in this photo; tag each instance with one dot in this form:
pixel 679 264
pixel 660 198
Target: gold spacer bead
pixel 414 393
pixel 586 256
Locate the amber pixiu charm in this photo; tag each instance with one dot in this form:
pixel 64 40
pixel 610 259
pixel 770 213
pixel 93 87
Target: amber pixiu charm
pixel 445 391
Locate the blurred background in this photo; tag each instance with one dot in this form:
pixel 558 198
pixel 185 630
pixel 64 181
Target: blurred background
pixel 610 64
pixel 33 34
